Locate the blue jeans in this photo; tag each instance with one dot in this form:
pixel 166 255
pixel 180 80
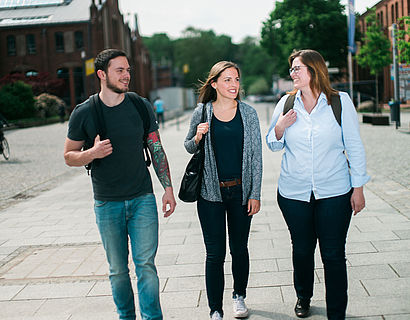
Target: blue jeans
pixel 213 217
pixel 327 221
pixel 136 220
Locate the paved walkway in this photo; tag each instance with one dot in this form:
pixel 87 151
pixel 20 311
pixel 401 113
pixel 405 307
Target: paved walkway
pixel 52 265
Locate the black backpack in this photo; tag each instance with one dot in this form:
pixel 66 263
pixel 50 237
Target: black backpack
pixel 335 102
pixel 99 121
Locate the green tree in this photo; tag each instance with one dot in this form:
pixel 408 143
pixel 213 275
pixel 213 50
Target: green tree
pixel 315 24
pixel 375 52
pixel 160 47
pixel 403 45
pixel 255 63
pixel 200 50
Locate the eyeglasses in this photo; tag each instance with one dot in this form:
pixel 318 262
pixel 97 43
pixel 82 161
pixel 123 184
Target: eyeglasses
pixel 296 69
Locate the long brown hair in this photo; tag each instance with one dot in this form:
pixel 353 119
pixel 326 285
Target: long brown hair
pixel 319 76
pixel 206 92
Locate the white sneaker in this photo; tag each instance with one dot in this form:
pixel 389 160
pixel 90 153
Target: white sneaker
pixel 239 307
pixel 216 316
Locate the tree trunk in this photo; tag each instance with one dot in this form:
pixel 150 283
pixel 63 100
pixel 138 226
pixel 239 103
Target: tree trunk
pixel 376 106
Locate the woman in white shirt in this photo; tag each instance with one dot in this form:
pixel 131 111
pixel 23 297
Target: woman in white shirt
pixel 318 188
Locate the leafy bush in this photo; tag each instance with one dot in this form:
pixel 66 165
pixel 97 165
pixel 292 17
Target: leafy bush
pixel 48 105
pixel 17 101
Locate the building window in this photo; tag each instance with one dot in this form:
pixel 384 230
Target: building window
pixel 11 45
pixel 79 40
pixel 392 13
pixel 381 19
pixel 59 36
pixel 397 11
pixel 31 44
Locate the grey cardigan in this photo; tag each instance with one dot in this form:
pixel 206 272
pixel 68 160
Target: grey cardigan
pixel 252 154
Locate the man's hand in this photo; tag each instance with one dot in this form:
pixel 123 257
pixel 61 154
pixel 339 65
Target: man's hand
pixel 357 200
pixel 253 206
pixel 101 149
pixel 168 200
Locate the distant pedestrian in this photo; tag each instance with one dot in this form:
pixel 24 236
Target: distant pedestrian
pixel 159 110
pixel 231 183
pixel 125 205
pixel 61 112
pixel 318 187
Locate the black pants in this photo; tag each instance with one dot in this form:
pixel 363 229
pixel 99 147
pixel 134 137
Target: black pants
pixel 326 220
pixel 213 217
pixel 160 118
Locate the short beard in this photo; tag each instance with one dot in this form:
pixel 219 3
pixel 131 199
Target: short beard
pixel 114 88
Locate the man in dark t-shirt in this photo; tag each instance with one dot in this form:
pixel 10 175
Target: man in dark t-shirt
pixel 125 205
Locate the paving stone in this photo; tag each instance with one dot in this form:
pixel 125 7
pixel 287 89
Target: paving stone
pixel 54 290
pixel 180 299
pixel 379 287
pixel 378 258
pixel 185 284
pixel 401 268
pixel 20 309
pixel 77 307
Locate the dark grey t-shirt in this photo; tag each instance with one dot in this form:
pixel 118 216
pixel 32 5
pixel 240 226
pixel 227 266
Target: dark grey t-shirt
pixel 123 174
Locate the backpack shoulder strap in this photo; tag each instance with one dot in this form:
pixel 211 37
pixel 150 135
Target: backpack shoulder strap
pixel 143 112
pixel 290 101
pixel 337 108
pixel 98 116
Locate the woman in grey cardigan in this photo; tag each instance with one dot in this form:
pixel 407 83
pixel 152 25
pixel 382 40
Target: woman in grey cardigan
pixel 231 182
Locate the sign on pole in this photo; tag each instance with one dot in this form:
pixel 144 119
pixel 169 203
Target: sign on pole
pixel 351 27
pixel 89 67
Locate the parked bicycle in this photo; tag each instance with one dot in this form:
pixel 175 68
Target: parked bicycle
pixel 4 145
pixel 4 148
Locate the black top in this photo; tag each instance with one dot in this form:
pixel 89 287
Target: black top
pixel 123 174
pixel 227 141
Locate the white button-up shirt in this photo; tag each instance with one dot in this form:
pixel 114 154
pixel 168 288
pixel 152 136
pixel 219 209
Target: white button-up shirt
pixel 314 158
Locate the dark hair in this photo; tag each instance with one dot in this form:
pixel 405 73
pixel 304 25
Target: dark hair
pixel 319 76
pixel 206 92
pixel 103 59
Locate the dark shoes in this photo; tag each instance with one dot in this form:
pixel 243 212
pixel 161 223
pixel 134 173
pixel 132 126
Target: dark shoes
pixel 302 308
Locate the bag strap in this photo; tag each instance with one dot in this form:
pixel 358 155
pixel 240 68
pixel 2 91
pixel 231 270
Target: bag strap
pixel 143 112
pixel 203 119
pixel 98 118
pixel 335 104
pixel 290 101
pixel 337 108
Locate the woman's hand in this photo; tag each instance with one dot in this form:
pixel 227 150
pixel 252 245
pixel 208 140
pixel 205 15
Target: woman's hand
pixel 357 200
pixel 253 206
pixel 284 122
pixel 201 129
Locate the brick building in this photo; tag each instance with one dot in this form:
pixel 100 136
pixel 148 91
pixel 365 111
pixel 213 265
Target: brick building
pixel 387 12
pixel 60 36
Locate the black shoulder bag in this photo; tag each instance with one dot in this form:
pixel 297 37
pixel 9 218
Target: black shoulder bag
pixel 190 188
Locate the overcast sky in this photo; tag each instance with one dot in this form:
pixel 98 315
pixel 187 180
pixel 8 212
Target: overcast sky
pixel 236 18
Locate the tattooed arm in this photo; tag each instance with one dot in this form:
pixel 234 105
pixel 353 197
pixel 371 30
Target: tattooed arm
pixel 161 167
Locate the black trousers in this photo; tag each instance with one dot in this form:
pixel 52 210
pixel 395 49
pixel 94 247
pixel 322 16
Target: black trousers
pixel 327 221
pixel 213 217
